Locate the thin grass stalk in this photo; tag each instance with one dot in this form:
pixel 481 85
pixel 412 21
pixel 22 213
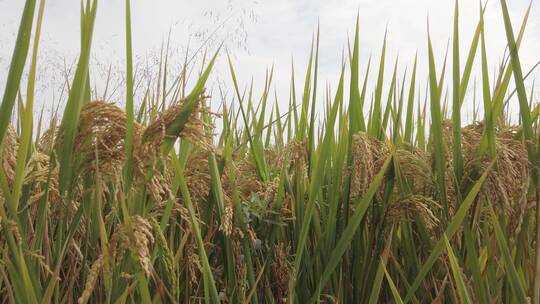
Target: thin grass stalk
pixel 376 129
pixel 456 104
pixel 128 168
pixel 311 134
pixel 436 130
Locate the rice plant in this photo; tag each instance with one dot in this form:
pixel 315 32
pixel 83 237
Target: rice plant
pixel 388 199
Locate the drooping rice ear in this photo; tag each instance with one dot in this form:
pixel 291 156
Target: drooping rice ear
pixel 9 154
pixel 450 178
pixel 368 157
pixel 470 138
pixel 415 170
pixel 47 140
pixel 180 119
pixel 197 175
pixel 156 132
pixel 91 280
pixel 274 155
pixel 296 152
pixel 226 225
pixel 136 236
pixel 515 170
pixel 406 207
pixel 507 185
pixel 281 268
pixel 37 176
pixel 183 119
pixel 247 180
pixel 198 129
pixel 99 142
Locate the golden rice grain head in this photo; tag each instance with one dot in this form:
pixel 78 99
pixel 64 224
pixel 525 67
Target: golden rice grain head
pixel 159 186
pixel 9 154
pixel 508 182
pixel 197 175
pixel 148 154
pixel 12 226
pixel 227 221
pixel 470 137
pixel 142 239
pixel 407 207
pixel 136 237
pixel 368 156
pixel 99 143
pixel 281 269
pixel 47 139
pixel 516 173
pixel 293 155
pixel 194 266
pixel 155 133
pixel 185 218
pixel 285 210
pixel 415 171
pixel 42 178
pixel 153 172
pixel 240 269
pixel 91 280
pixel 274 155
pixel 195 130
pixel 449 177
pixel 247 179
pixel 270 190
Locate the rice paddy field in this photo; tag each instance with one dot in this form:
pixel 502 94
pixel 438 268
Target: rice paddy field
pixel 384 196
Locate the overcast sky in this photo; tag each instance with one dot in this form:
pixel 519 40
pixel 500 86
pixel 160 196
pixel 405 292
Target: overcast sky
pixel 260 34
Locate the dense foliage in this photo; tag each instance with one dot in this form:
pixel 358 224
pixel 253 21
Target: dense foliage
pixel 149 204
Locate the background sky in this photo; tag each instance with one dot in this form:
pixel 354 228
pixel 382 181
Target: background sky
pixel 261 34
